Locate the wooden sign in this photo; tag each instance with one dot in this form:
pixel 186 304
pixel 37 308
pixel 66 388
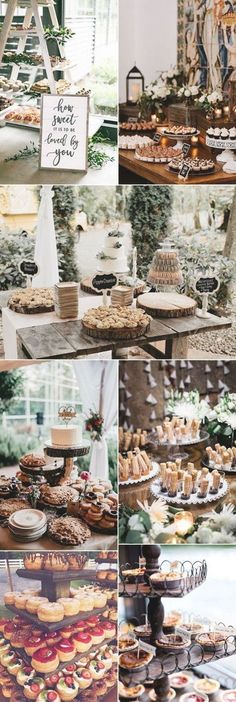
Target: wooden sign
pixel 64 132
pixel 207 285
pixel 185 149
pixel 104 282
pixel 28 268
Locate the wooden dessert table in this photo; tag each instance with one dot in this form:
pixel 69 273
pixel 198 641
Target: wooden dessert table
pixel 59 339
pixel 130 495
pixel 158 173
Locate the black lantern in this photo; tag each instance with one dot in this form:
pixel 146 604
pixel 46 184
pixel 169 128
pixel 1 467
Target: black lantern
pixel 134 86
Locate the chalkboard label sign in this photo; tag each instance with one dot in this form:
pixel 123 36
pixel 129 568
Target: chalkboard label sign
pixel 184 171
pixel 64 132
pixel 132 120
pixel 185 149
pixel 207 285
pixel 28 268
pixel 104 282
pixel 157 138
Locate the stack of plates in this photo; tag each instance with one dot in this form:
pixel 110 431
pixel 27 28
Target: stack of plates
pixel 27 524
pixel 122 295
pixel 66 299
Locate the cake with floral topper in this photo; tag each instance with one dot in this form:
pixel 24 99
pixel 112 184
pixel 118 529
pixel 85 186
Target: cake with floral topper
pixel 66 434
pixel 112 258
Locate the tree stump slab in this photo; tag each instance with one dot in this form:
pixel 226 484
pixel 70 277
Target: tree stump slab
pixel 167 305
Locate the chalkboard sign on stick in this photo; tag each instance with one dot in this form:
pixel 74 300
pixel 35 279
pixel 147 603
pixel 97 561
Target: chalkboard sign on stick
pixel 64 132
pixel 104 282
pixel 207 285
pixel 28 268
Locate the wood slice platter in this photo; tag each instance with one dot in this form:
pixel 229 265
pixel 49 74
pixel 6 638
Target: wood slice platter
pixel 87 287
pixel 125 333
pixel 167 304
pixel 38 309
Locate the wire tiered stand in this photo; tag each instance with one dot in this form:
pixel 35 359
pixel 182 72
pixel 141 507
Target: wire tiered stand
pixel 156 673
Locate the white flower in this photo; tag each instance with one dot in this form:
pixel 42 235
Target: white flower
pixel 202 98
pixel 226 519
pixel 202 536
pixel 170 74
pixel 222 538
pixel 194 90
pixel 135 523
pixel 187 93
pixel 158 511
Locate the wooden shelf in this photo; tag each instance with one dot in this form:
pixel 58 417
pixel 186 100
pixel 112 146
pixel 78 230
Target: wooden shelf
pixel 54 626
pixel 77 658
pixel 54 576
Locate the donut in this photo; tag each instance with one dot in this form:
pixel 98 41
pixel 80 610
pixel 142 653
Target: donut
pixel 45 660
pixel 66 650
pixel 82 641
pixel 34 643
pixel 98 635
pixel 33 604
pixel 50 612
pixel 71 605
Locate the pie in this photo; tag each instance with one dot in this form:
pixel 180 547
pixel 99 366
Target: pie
pixel 117 321
pixel 58 495
pixel 32 300
pixel 214 639
pixel 31 460
pixel 130 692
pixel 173 642
pixel 127 643
pixel 8 507
pixel 67 530
pixel 133 661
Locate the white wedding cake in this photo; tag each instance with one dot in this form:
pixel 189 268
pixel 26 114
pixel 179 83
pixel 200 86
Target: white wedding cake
pixel 66 436
pixel 112 258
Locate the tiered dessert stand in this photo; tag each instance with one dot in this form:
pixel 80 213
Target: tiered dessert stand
pixel 227 156
pixel 55 585
pixel 68 454
pixel 180 139
pixel 156 673
pixel 174 450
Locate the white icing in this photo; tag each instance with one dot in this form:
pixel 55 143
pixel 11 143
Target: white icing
pixel 66 436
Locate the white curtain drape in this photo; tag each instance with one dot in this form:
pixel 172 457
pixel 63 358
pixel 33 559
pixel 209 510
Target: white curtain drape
pixel 98 385
pixel 45 253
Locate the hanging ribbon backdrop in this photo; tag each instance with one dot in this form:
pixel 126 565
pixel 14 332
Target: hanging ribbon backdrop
pixel 97 381
pixel 45 253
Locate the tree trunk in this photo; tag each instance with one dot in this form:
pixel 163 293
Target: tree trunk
pixel 230 242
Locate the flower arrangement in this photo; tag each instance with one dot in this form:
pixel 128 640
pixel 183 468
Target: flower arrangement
pixel 209 101
pixel 161 92
pixel 189 94
pixel 224 417
pixel 94 424
pixel 153 523
pixel 217 527
pixel 187 404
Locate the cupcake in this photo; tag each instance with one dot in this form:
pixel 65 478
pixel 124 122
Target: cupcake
pixel 33 688
pixel 83 677
pixel 67 688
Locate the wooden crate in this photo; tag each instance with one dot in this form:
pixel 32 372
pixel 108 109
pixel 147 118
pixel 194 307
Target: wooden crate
pixel 181 114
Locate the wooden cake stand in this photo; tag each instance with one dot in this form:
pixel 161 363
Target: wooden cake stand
pixel 68 454
pixel 167 304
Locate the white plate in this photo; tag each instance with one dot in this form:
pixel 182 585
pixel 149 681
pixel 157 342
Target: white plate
pixel 27 518
pixel 154 698
pixel 151 475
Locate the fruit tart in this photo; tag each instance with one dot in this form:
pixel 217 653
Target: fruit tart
pixel 133 661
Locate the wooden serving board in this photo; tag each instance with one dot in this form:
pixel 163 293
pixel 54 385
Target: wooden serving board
pixel 86 286
pixel 116 334
pixel 167 304
pixel 23 309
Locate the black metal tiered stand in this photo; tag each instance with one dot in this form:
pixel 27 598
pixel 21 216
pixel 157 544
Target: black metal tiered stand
pixel 56 584
pixel 165 664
